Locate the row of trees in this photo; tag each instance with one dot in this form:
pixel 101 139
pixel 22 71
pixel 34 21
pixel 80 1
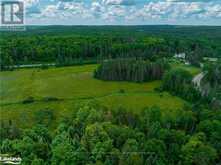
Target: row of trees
pixel 179 82
pixel 135 70
pixel 96 135
pixel 211 83
pixel 213 75
pixel 69 47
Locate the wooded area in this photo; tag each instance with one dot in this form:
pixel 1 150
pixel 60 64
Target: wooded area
pixel 131 70
pixel 70 45
pixel 136 105
pixel 96 135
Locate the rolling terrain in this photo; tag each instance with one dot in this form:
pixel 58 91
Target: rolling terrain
pixel 61 89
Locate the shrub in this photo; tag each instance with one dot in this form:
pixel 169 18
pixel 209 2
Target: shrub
pixel 44 66
pixel 28 100
pixel 48 99
pixel 121 91
pixel 44 116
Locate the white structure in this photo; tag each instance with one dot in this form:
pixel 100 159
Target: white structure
pixel 180 56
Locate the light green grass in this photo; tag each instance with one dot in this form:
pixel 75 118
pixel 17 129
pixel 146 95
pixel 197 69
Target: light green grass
pixel 138 101
pixel 65 83
pixel 72 85
pixel 192 69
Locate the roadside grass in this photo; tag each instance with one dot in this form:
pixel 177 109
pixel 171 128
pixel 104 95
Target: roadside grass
pixel 68 86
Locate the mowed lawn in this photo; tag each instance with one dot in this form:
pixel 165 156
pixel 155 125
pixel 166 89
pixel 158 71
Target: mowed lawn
pixel 73 85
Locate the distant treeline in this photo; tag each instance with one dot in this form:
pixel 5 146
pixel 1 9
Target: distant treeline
pixel 131 70
pixel 72 49
pixel 66 45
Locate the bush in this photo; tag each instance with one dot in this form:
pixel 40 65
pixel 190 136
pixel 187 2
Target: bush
pixel 28 100
pixel 158 89
pixel 44 66
pixel 48 99
pixel 44 116
pixel 121 91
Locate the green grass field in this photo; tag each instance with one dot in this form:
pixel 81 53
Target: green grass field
pixel 73 85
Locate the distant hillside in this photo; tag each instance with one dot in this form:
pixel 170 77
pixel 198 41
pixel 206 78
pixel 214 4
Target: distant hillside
pixel 167 30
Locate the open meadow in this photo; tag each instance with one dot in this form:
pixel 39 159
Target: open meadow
pixel 60 89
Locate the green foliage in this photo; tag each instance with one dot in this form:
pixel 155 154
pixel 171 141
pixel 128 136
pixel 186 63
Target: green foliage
pixel 28 100
pixel 44 116
pixel 48 99
pixel 71 45
pixel 34 144
pixel 213 75
pixel 155 152
pixel 212 128
pixel 197 152
pixel 179 82
pixel 8 130
pixel 211 83
pixel 131 70
pixel 97 135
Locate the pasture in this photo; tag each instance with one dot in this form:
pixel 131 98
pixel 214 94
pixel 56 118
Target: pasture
pixel 61 89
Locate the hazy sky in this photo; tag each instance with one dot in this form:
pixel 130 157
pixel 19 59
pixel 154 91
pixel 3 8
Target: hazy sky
pixel 123 12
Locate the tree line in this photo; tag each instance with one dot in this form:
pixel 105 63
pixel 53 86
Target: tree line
pixel 136 70
pixel 64 50
pixel 211 83
pixel 55 45
pixel 179 83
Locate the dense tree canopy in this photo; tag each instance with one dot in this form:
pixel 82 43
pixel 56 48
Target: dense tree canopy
pixel 211 83
pixel 105 136
pixel 131 70
pixel 76 45
pixel 213 74
pixel 96 135
pixel 179 82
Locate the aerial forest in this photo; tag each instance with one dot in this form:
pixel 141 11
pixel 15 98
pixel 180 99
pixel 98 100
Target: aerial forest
pixel 111 95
